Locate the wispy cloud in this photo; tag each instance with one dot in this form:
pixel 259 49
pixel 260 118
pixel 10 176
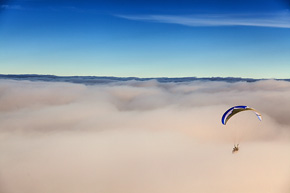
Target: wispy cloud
pixel 17 7
pixel 279 20
pixel 43 8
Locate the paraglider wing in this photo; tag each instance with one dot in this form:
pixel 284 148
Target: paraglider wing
pixel 236 109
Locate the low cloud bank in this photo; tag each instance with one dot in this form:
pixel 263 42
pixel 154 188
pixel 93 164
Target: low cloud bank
pixel 143 136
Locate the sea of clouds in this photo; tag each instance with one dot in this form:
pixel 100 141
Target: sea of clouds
pixel 143 137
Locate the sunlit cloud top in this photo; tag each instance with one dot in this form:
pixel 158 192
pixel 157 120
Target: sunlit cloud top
pixel 143 136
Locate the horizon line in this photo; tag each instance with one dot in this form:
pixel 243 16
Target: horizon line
pixel 159 77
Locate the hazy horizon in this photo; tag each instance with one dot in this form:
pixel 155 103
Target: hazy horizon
pixel 8 76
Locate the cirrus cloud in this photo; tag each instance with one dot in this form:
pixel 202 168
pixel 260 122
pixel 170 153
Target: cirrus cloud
pixel 278 20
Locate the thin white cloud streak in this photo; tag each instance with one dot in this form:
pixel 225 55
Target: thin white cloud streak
pixel 281 20
pixel 54 9
pixel 13 7
pixel 130 137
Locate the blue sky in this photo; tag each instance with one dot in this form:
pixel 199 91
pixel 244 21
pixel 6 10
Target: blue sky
pixel 159 38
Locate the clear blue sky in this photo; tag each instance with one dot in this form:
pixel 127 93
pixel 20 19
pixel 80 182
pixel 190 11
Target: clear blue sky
pixel 146 38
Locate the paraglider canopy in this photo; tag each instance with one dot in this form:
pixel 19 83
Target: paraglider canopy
pixel 236 109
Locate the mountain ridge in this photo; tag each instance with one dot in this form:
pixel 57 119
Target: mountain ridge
pixel 91 80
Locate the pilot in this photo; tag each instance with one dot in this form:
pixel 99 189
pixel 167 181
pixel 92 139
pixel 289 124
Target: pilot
pixel 236 148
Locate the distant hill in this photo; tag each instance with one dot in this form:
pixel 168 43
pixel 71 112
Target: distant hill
pixel 91 80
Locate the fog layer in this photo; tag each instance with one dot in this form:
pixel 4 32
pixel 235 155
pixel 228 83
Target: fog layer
pixel 143 136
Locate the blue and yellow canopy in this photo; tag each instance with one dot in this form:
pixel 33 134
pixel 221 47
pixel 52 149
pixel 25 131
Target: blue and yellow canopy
pixel 236 109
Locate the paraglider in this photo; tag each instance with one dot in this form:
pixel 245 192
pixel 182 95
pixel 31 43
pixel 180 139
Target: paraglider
pixel 234 110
